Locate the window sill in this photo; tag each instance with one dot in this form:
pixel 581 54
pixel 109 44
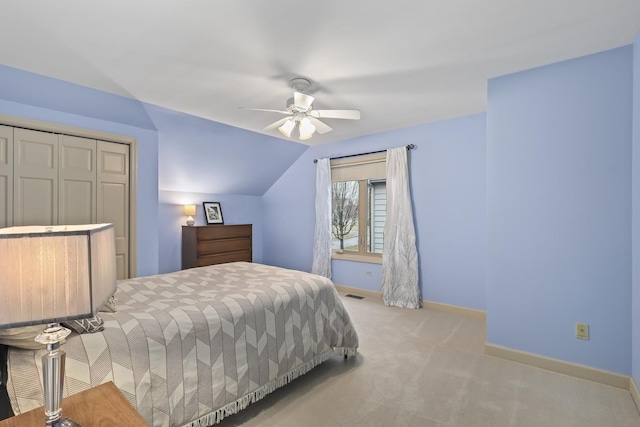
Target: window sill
pixel 370 258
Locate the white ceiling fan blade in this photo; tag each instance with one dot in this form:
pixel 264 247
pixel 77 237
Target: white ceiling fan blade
pixel 265 109
pixel 277 124
pixel 336 114
pixel 321 127
pixel 302 101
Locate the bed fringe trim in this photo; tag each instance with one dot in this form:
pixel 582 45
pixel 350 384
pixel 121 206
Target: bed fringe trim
pixel 217 416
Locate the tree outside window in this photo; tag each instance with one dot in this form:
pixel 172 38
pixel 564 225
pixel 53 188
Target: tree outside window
pixel 344 218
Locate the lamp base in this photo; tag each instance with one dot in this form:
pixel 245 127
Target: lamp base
pixel 53 375
pixel 66 422
pixel 190 221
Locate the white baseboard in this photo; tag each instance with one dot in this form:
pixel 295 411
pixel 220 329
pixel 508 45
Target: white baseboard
pixel 455 309
pixel 560 366
pixel 635 393
pixel 431 305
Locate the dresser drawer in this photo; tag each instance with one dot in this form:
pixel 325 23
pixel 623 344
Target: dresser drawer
pixel 208 247
pixel 216 232
pixel 216 244
pixel 224 258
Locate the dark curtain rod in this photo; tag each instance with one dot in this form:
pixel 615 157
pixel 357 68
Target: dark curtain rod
pixel 409 147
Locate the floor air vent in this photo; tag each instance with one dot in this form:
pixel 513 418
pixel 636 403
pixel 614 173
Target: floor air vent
pixel 354 296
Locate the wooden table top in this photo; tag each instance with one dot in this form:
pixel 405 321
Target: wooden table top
pixel 101 406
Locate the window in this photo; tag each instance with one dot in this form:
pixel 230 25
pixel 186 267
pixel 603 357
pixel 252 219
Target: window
pixel 359 207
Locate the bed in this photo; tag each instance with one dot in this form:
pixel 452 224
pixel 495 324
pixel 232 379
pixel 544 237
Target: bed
pixel 192 347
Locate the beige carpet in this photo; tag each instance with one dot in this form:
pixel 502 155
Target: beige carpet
pixel 427 368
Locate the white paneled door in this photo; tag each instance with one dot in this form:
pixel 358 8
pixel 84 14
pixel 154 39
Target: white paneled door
pixel 6 176
pixel 35 177
pixel 113 197
pixel 77 180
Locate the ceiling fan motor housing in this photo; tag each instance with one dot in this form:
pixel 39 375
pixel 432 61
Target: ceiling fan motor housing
pixel 300 84
pixel 293 108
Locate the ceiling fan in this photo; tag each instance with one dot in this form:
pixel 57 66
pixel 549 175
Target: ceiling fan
pixel 301 113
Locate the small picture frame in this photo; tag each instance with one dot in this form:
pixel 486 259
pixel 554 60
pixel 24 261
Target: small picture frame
pixel 213 212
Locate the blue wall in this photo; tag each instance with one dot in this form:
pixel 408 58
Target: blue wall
pixel 448 192
pixel 235 210
pixel 204 161
pixel 202 156
pixel 636 211
pixel 559 210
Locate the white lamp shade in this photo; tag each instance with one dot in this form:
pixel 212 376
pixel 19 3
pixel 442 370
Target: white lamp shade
pixel 306 129
pixel 287 127
pixel 189 210
pixel 55 273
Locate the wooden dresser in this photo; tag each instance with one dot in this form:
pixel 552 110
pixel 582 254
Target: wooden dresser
pixel 216 244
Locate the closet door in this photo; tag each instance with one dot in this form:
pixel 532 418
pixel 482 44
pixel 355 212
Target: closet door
pixel 113 197
pixel 35 157
pixel 6 176
pixel 77 180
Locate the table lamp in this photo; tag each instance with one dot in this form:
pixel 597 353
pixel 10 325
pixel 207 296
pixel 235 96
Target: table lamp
pixel 190 210
pixel 52 274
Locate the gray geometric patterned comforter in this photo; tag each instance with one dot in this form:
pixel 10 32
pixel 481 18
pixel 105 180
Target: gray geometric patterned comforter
pixel 191 347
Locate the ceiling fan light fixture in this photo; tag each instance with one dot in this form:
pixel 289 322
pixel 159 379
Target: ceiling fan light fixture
pixel 287 127
pixel 306 129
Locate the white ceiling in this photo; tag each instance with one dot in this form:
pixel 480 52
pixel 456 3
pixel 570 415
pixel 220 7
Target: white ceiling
pixel 401 62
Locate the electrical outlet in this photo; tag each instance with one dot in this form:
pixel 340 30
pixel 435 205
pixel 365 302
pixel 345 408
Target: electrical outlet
pixel 582 331
pixel 368 273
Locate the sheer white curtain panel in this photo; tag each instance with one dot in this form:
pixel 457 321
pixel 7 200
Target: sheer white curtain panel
pixel 400 255
pixel 322 239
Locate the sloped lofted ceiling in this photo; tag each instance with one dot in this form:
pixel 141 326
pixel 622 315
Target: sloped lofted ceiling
pixel 400 63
